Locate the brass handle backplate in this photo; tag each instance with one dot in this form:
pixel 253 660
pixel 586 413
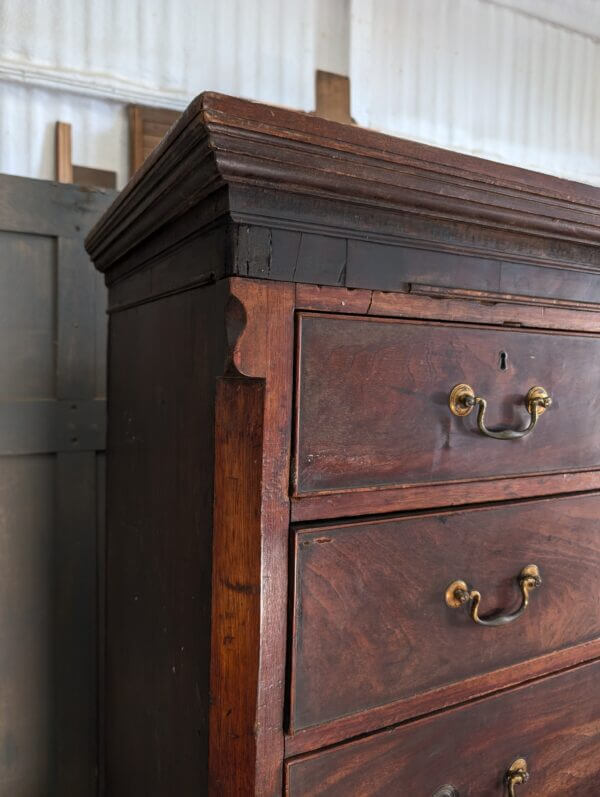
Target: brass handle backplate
pixel 517 773
pixel 458 593
pixel 462 400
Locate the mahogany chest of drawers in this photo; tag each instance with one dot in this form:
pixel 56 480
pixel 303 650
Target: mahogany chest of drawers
pixel 353 538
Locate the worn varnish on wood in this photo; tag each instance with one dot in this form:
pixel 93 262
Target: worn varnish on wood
pixel 371 626
pixel 292 301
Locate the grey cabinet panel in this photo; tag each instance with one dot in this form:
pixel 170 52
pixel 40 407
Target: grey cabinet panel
pixel 52 430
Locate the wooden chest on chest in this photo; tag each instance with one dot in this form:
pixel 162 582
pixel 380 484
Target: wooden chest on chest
pixel 354 468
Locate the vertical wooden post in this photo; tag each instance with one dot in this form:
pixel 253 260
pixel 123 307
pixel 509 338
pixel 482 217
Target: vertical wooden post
pixel 64 164
pixel 333 97
pixel 136 138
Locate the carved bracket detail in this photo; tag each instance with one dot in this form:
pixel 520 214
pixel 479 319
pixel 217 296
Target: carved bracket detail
pixel 246 321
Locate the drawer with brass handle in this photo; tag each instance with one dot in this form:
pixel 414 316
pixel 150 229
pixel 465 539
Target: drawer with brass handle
pixel 538 740
pixel 383 406
pixel 440 603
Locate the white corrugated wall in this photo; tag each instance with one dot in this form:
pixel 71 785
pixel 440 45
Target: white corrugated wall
pixel 27 118
pixel 483 78
pixel 82 61
pixel 513 80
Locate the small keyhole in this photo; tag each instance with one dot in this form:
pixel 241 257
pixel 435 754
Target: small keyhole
pixel 503 361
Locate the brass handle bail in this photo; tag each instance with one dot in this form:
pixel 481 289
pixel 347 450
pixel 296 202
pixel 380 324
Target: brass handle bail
pixel 458 593
pixel 462 400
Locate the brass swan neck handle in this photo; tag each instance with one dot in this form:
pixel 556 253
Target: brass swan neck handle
pixel 458 593
pixel 517 773
pixel 463 399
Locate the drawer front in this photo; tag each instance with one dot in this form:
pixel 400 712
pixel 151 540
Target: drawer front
pixel 371 624
pixel 554 724
pixel 372 404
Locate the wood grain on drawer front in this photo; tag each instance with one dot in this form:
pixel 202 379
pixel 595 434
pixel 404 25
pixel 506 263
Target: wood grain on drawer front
pixel 372 404
pixel 371 626
pixel 554 723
